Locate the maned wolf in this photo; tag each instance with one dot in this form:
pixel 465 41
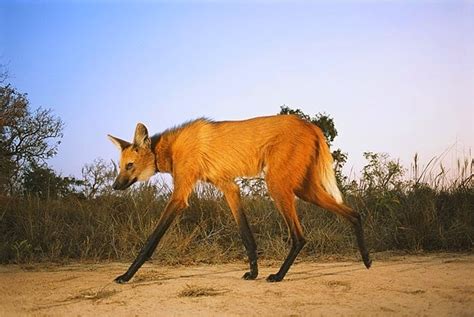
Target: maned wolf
pixel 292 154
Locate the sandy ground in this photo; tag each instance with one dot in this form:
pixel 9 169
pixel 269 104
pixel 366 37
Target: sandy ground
pixel 431 285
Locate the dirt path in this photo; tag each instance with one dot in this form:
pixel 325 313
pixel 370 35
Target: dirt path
pixel 435 285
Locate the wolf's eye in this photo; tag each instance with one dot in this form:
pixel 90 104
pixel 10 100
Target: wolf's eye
pixel 129 166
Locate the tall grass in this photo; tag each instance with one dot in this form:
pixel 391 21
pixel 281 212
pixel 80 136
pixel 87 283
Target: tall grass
pixel 418 213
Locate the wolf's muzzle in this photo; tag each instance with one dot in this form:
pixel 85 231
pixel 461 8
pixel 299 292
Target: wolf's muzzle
pixel 119 184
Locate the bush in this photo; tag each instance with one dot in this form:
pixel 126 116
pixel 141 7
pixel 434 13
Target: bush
pixel 406 216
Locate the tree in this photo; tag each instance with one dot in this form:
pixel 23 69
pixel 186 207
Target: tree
pixel 27 137
pixel 46 184
pixel 97 178
pixel 322 120
pixel 3 74
pixel 381 173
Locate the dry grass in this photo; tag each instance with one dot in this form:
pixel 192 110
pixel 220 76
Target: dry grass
pixel 199 291
pixel 338 285
pixel 148 276
pixel 93 295
pixel 404 215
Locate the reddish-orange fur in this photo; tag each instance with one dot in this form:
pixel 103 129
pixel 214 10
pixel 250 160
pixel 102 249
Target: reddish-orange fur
pixel 292 154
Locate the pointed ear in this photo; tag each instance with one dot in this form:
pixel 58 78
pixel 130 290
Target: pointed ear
pixel 141 138
pixel 119 143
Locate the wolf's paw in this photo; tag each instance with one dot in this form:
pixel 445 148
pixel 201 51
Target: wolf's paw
pixel 274 278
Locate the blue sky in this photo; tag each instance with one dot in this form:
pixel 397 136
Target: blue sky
pixel 397 76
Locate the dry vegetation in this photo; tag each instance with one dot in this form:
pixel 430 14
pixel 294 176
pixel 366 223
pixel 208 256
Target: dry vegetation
pixel 198 291
pixel 400 214
pixel 47 217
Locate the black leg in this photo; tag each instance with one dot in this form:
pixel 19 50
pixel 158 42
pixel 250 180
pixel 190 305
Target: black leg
pixel 152 249
pixel 250 246
pixel 285 202
pixel 359 232
pixel 297 244
pixel 232 195
pixel 163 224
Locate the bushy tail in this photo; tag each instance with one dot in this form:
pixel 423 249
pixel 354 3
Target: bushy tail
pixel 325 171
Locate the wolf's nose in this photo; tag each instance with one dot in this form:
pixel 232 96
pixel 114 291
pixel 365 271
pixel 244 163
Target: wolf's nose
pixel 115 185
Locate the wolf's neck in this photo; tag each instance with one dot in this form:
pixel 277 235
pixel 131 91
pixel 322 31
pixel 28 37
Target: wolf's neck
pixel 161 145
